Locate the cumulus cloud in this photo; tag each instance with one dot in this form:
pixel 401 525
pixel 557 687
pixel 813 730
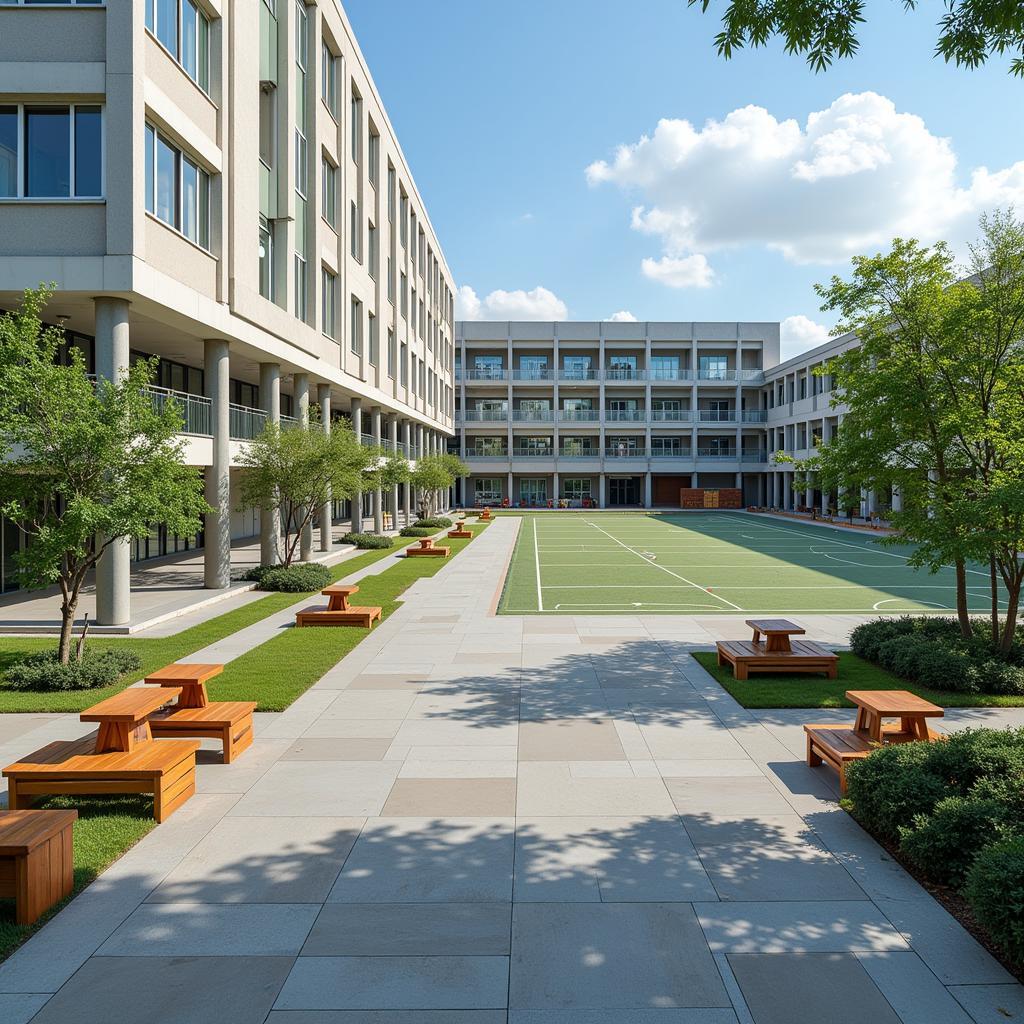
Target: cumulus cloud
pixel 623 316
pixel 680 271
pixel 799 333
pixel 847 180
pixel 538 304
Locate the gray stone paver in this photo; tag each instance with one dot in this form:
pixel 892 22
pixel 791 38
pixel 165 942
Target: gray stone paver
pixel 477 819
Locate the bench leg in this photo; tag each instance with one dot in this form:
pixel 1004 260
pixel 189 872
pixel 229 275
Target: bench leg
pixel 170 794
pixel 237 738
pixel 813 759
pixel 841 768
pixel 833 671
pixel 739 671
pixel 16 800
pixel 43 877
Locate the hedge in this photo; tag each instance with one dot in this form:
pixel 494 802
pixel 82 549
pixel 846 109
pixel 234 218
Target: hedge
pixel 296 579
pixel 418 531
pixel 434 523
pixel 995 891
pixel 43 672
pixel 367 540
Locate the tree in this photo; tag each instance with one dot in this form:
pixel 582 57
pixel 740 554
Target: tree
pixel 88 464
pixel 295 471
pixel 970 32
pixel 435 473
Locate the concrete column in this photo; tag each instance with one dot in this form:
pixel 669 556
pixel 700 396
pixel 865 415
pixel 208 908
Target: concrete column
pixel 693 480
pixel 300 394
pixel 393 447
pixel 511 496
pixel 323 398
pixel 378 497
pixel 647 490
pixel 113 570
pixel 406 487
pixel 421 447
pixel 601 491
pixel 270 522
pixel 897 500
pixel 554 488
pixel 356 414
pixel 217 552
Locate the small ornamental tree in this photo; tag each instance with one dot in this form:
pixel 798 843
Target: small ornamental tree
pixel 87 464
pixel 435 473
pixel 295 471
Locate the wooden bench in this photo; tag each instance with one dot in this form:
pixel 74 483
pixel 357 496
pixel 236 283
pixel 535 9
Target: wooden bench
pixel 460 533
pixel 37 866
pixel 338 611
pixel 124 718
pixel 229 721
pixel 837 746
pixel 485 515
pixel 745 657
pixel 427 547
pixel 166 769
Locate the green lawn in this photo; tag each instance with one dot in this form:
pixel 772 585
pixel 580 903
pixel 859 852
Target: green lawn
pixel 154 652
pixel 770 691
pixel 105 829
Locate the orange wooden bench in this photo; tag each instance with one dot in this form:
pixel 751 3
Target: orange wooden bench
pixel 37 866
pixel 460 533
pixel 745 657
pixel 195 714
pixel 837 746
pixel 486 514
pixel 338 611
pixel 427 547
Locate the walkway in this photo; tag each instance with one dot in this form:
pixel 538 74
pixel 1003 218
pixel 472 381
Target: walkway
pixel 474 820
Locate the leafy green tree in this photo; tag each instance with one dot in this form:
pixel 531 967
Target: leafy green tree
pixel 296 471
pixel 87 463
pixel 436 473
pixel 970 31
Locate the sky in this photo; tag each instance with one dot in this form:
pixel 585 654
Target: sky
pixel 595 159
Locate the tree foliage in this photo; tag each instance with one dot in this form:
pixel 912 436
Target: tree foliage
pixel 86 463
pixel 436 473
pixel 970 31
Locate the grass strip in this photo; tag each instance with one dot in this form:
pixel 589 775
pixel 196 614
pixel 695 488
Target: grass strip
pixel 155 652
pixel 106 828
pixel 782 691
pixel 284 667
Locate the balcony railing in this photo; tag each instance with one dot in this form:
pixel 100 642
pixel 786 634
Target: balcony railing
pixel 723 375
pixel 533 415
pixel 537 374
pixel 196 411
pixel 749 456
pixel 477 453
pixel 579 453
pixel 289 421
pixel 533 453
pixel 485 415
pixel 623 373
pixel 672 453
pixel 755 415
pixel 625 453
pixel 579 415
pixel 245 423
pixel 717 415
pixel 625 415
pixel 722 454
pixel 482 373
pixel 671 415
pixel 755 375
pixel 578 376
pixel 666 373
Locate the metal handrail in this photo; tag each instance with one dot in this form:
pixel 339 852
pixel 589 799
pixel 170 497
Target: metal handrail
pixel 577 375
pixel 484 415
pixel 717 416
pixel 625 453
pixel 579 415
pixel 671 415
pixel 533 416
pixel 625 415
pixel 196 410
pixel 245 423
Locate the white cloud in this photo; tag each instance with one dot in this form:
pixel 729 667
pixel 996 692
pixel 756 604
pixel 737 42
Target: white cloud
pixel 680 271
pixel 623 316
pixel 538 304
pixel 799 333
pixel 847 181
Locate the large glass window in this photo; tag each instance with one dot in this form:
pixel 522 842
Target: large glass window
pixel 329 79
pixel 664 367
pixel 63 152
pixel 329 199
pixel 487 490
pixel 301 287
pixel 714 367
pixel 8 152
pixel 178 190
pixel 576 489
pixel 330 299
pixel 47 151
pixel 266 259
pixel 183 31
pixel 356 329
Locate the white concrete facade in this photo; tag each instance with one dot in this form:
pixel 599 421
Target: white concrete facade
pixel 232 199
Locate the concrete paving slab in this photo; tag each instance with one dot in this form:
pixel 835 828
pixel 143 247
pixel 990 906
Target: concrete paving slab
pixel 337 748
pixel 727 796
pixel 451 798
pixel 548 788
pixel 911 989
pixel 991 1004
pixel 21 1008
pixel 692 1016
pixel 387 1017
pixel 327 789
pixel 569 739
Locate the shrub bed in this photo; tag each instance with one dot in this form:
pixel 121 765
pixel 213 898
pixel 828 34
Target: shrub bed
pixel 292 579
pixel 964 801
pixel 434 523
pixel 42 671
pixel 932 651
pixel 418 531
pixel 367 540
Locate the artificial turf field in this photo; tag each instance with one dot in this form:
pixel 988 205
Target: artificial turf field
pixel 706 563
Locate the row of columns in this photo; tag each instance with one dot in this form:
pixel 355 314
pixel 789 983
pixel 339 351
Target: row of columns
pixel 112 348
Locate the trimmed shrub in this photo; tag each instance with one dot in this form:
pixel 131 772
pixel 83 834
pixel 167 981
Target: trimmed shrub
pixel 868 637
pixel 43 672
pixel 434 523
pixel 296 579
pixel 417 531
pixel 367 540
pixel 255 574
pixel 995 892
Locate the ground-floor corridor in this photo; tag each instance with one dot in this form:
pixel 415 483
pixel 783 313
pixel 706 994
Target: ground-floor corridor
pixel 480 819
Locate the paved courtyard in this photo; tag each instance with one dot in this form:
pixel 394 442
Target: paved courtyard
pixel 476 819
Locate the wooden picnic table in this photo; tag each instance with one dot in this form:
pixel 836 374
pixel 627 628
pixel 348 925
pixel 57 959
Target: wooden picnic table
pixel 776 633
pixel 337 595
pixel 874 706
pixel 191 679
pixel 124 718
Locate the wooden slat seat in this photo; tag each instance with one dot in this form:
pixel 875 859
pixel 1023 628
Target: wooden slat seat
pixel 124 718
pixel 428 549
pixel 230 721
pixel 460 533
pixel 836 745
pixel 745 657
pixel 167 770
pixel 36 860
pixel 354 615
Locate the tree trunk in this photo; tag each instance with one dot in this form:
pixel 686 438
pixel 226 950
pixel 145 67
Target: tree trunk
pixel 994 583
pixel 67 622
pixel 962 614
pixel 1012 603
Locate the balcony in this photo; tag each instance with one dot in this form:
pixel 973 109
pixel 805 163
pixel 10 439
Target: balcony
pixel 533 453
pixel 579 415
pixel 580 376
pixel 755 416
pixel 625 415
pixel 579 453
pixel 717 415
pixel 539 375
pixel 479 453
pixel 716 375
pixel 625 453
pixel 752 376
pixel 195 410
pixel 660 375
pixel 623 374
pixel 671 415
pixel 485 415
pixel 752 456
pixel 717 454
pixel 533 415
pixel 245 423
pixel 481 373
pixel 684 452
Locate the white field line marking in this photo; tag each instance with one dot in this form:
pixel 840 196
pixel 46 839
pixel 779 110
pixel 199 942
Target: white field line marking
pixel 739 586
pixel 536 562
pixel 669 571
pixel 877 606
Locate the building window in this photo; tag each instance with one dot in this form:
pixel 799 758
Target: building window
pixel 372 255
pixel 301 287
pixel 391 194
pixel 356 330
pixel 329 79
pixel 403 365
pixel 391 282
pixel 184 32
pixel 373 157
pixel 576 489
pixel 55 151
pixel 329 199
pixel 355 231
pixel 487 491
pixel 403 219
pixel 357 127
pixel 177 189
pixel 392 353
pixel 403 293
pixel 266 259
pixel 328 316
pixel 374 341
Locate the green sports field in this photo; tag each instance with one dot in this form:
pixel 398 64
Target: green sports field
pixel 706 563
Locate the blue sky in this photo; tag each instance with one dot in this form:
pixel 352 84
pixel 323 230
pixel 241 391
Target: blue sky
pixel 501 109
